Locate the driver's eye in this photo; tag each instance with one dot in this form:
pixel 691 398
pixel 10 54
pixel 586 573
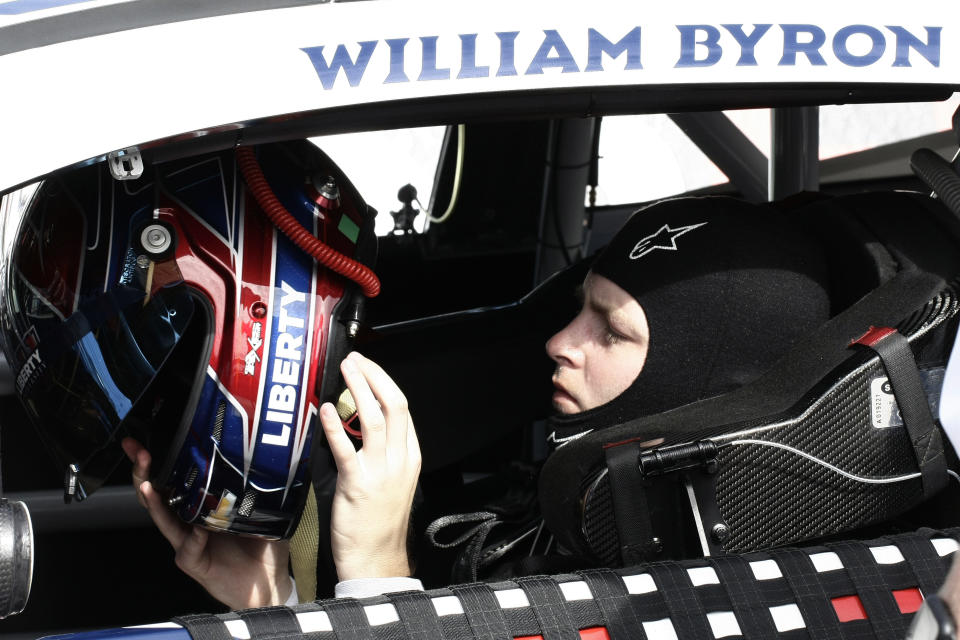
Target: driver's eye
pixel 610 336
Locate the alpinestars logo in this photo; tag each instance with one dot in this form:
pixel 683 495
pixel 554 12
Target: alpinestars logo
pixel 665 238
pixel 255 341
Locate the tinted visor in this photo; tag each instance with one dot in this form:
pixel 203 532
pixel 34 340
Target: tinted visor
pixel 89 371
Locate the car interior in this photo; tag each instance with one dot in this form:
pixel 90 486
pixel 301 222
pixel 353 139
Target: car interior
pixel 469 299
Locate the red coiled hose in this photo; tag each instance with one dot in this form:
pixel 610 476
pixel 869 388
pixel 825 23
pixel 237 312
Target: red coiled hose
pixel 300 236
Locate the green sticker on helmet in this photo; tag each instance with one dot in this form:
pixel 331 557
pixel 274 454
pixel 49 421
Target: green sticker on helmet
pixel 349 228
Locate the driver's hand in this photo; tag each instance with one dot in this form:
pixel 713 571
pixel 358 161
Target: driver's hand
pixel 239 572
pixel 375 486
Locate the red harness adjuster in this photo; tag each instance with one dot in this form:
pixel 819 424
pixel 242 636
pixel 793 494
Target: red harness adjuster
pixel 873 336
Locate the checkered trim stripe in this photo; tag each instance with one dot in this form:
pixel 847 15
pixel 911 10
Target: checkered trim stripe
pixel 837 590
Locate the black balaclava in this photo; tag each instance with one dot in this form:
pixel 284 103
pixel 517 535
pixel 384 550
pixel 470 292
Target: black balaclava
pixel 727 288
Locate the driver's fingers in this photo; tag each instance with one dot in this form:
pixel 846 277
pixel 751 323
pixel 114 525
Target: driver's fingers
pixel 373 424
pixel 413 445
pixel 167 522
pixel 344 455
pixel 392 404
pixel 190 554
pixel 140 458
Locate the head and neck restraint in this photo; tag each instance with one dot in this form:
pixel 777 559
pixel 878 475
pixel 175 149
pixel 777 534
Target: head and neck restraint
pixel 772 434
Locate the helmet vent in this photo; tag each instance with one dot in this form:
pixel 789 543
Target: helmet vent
pixel 218 422
pixel 246 505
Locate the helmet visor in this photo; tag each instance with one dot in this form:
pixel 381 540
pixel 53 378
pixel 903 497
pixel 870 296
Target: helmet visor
pixel 85 374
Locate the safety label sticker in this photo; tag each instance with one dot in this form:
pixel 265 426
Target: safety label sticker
pixel 884 412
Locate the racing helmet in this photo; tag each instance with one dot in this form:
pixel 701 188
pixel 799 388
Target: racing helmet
pixel 201 309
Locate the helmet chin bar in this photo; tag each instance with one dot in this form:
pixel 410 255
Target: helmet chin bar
pixel 16 556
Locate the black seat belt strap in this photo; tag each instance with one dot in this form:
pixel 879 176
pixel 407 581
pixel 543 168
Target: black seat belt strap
pixel 629 502
pixel 901 367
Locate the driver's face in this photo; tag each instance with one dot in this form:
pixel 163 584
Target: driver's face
pixel 600 353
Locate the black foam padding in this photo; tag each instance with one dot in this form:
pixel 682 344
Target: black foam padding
pixel 482 610
pixel 204 626
pixel 550 607
pixel 812 595
pixel 878 600
pixel 750 599
pixel 610 594
pixel 926 569
pixel 682 600
pixel 348 619
pixel 270 622
pixel 417 614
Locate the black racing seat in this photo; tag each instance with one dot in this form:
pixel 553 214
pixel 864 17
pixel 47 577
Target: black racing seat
pixel 815 447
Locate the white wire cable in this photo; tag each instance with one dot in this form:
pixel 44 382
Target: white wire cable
pixel 457 175
pixel 954 474
pixel 845 474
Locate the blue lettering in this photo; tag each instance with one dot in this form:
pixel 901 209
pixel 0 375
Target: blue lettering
pixel 468 58
pixel 747 42
pixel 906 41
pixel 689 42
pixel 397 74
pixel 879 43
pixel 429 70
pixel 341 60
pixel 564 59
pixel 792 45
pixel 507 55
pixel 599 45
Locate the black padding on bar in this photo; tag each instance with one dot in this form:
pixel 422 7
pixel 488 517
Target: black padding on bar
pixel 750 602
pixel 585 613
pixel 620 616
pixel 813 599
pixel 550 607
pixel 927 565
pixel 204 626
pixel 270 622
pixel 684 607
pixel 348 619
pixel 482 611
pixel 456 627
pixel 418 615
pixel 522 621
pixel 874 592
pixel 713 597
pixel 623 614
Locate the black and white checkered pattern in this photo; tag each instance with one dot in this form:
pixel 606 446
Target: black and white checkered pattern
pixel 783 593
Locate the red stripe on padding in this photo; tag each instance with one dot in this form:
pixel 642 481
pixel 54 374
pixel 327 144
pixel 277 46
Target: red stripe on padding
pixel 593 633
pixel 873 336
pixel 849 608
pixel 909 600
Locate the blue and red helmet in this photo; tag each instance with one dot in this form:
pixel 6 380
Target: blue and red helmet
pixel 188 309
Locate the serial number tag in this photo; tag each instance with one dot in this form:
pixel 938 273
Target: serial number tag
pixel 884 412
